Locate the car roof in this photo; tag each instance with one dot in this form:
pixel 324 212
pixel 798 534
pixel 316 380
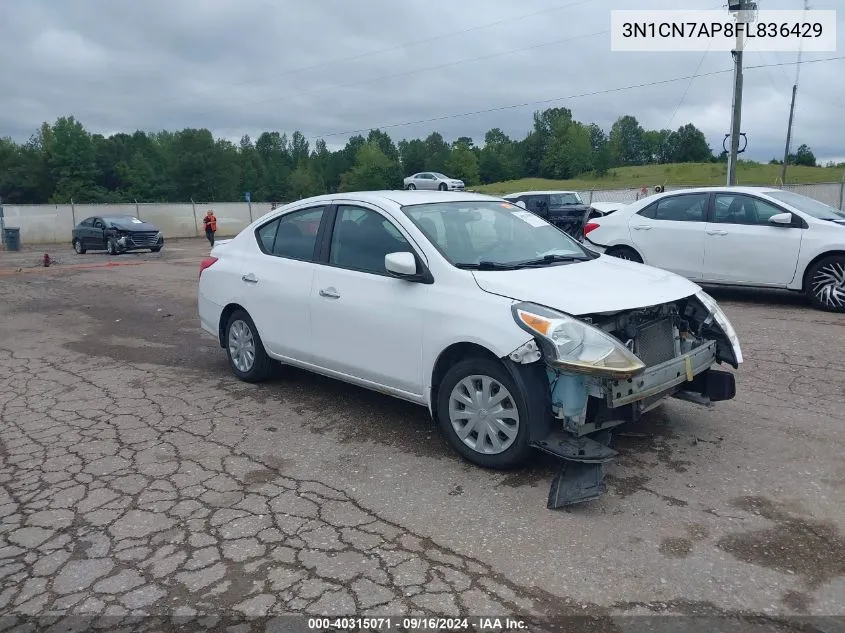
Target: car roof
pixel 538 192
pixel 721 189
pixel 402 197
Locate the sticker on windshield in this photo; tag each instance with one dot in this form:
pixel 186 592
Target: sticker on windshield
pixel 533 220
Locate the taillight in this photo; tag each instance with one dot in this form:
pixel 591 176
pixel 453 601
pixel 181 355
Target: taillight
pixel 590 226
pixel 206 262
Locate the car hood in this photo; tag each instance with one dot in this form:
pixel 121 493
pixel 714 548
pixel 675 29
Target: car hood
pixel 128 225
pixel 604 284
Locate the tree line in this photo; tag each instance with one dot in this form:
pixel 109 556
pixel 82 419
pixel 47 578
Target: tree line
pixel 64 162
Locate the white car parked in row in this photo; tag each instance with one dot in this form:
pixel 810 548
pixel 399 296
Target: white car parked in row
pixel 740 236
pixel 433 180
pixel 509 331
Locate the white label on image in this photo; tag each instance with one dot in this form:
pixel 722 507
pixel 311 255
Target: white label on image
pixel 533 220
pixel 717 30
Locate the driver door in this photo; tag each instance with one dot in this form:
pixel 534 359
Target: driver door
pixel 366 323
pixel 96 235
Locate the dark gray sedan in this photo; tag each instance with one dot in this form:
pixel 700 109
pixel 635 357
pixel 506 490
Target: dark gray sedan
pixel 116 234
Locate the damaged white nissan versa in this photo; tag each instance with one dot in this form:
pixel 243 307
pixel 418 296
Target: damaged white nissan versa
pixel 514 335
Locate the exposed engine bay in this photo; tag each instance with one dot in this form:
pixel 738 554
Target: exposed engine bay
pixel 678 342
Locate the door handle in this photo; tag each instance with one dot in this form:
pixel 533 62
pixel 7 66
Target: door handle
pixel 329 293
pixel 642 227
pixel 249 278
pixel 715 232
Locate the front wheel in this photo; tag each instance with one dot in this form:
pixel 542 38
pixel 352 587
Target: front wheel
pixel 484 414
pixel 244 349
pixel 623 252
pixel 443 186
pixel 825 285
pixel 111 247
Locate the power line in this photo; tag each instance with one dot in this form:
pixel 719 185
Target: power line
pixel 381 51
pixel 689 85
pixel 291 97
pixel 408 73
pixel 546 101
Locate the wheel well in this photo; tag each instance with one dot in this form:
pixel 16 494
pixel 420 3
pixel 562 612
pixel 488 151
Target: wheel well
pixel 224 319
pixel 813 262
pixel 451 355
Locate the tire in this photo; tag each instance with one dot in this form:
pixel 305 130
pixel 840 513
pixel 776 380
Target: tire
pixel 825 285
pixel 411 187
pixel 624 252
pixel 111 247
pixel 442 186
pixel 240 325
pixel 78 247
pixel 471 372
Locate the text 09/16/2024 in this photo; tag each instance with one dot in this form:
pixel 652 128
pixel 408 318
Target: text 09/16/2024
pixel 709 30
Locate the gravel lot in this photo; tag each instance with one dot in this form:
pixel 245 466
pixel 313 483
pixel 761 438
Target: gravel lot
pixel 137 475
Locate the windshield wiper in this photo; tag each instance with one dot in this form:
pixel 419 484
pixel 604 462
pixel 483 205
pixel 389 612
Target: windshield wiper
pixel 549 259
pixel 485 265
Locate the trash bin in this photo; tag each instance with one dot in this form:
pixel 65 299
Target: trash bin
pixel 12 238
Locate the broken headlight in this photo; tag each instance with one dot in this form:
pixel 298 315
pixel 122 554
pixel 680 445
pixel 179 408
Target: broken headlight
pixel 574 346
pixel 722 321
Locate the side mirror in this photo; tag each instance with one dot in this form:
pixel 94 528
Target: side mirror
pixel 781 219
pixel 402 264
pixel 521 204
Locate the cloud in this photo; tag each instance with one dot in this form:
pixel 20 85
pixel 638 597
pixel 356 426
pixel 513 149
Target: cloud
pixel 244 66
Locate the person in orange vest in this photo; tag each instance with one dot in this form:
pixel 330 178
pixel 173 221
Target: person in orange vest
pixel 210 223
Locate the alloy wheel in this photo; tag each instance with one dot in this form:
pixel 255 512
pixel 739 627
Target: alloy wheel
pixel 241 346
pixel 828 285
pixel 483 414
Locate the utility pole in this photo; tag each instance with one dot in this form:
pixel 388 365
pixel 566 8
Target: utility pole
pixel 788 137
pixel 792 110
pixel 741 8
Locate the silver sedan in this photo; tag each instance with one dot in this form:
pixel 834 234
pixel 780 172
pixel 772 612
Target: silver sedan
pixel 433 180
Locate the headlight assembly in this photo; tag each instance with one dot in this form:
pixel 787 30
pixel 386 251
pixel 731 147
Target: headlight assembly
pixel 722 320
pixel 575 346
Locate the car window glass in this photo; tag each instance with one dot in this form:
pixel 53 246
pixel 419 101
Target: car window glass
pixel 688 208
pixel 87 222
pixel 563 199
pixel 267 235
pixel 648 212
pixel 741 209
pixel 361 238
pixel 296 234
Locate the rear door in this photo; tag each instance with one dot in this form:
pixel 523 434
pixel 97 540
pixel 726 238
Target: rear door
pixel 276 281
pixel 669 233
pixel 742 247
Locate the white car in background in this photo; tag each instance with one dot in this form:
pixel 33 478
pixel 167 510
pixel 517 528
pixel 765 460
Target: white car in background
pixel 433 180
pixel 606 208
pixel 512 334
pixel 738 236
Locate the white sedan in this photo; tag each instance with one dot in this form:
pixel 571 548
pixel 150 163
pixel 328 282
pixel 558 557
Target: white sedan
pixel 738 236
pixel 509 331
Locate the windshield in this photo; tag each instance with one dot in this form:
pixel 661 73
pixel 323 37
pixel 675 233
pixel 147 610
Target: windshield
pixel 563 199
pixel 122 219
pixel 492 234
pixel 818 210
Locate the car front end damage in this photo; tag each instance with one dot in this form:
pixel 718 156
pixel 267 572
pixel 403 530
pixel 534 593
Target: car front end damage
pixel 133 240
pixel 605 370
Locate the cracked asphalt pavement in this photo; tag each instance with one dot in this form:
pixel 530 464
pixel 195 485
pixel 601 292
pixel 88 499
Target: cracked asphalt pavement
pixel 139 477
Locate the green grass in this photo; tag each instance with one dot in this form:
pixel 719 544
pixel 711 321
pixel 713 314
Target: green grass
pixel 683 174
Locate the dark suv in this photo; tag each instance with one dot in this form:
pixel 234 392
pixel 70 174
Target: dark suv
pixel 564 209
pixel 116 234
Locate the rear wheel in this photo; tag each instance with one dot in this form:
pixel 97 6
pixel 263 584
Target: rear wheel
pixel 411 187
pixel 244 349
pixel 78 247
pixel 825 285
pixel 624 252
pixel 483 414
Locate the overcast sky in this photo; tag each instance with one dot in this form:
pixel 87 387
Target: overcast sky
pixel 327 67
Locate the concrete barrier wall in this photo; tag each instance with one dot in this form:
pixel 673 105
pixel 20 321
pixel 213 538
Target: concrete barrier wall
pixel 53 223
